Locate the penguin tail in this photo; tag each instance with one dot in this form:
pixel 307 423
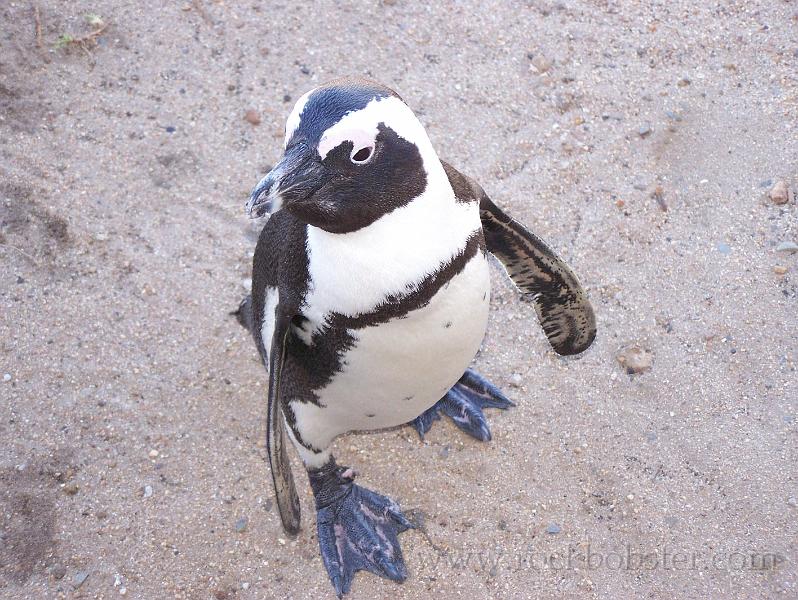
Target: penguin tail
pixel 243 313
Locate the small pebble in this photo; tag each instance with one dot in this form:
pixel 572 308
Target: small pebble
pixel 683 82
pixel 635 359
pixel 79 578
pixel 541 64
pixel 644 130
pixel 724 248
pixel 252 117
pixel 153 453
pixel 147 491
pixel 659 196
pixel 58 571
pixel 553 528
pixel 241 524
pixel 516 380
pixel 7 377
pixel 787 247
pixel 780 270
pixel 793 501
pixel 673 116
pixel 780 193
pixel 71 489
pixel 630 497
pixel 245 585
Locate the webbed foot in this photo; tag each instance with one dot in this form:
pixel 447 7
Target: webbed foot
pixel 464 404
pixel 357 528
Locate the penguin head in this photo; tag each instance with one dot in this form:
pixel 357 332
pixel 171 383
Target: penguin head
pixel 354 151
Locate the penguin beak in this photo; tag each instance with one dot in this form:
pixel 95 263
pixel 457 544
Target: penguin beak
pixel 297 176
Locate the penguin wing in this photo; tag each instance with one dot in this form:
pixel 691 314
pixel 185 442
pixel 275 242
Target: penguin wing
pixel 270 297
pixel 283 478
pixel 284 488
pixel 560 301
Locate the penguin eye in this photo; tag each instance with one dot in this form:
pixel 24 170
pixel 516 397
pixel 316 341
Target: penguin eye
pixel 361 155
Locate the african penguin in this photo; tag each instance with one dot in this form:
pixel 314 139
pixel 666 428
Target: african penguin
pixel 370 294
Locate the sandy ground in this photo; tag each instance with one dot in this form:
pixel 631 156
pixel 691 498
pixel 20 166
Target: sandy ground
pixel 641 139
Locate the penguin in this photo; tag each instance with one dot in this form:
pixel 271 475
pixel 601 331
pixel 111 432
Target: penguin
pixel 369 300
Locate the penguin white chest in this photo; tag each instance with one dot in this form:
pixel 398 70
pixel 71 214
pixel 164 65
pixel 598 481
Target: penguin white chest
pixel 394 368
pixel 397 369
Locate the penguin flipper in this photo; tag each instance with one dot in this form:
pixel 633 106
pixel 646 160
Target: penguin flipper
pixel 560 301
pixel 282 477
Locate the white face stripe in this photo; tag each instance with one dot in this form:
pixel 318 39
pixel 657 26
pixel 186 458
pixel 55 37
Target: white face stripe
pixel 360 127
pixel 292 123
pixel 360 136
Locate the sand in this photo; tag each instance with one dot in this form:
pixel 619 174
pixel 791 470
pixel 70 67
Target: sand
pixel 640 139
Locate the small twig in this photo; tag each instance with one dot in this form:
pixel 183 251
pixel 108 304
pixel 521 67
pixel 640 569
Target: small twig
pixel 659 195
pixel 88 41
pixel 37 18
pixel 91 37
pixel 88 54
pixel 22 252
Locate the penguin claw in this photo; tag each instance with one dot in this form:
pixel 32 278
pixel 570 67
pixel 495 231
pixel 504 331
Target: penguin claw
pixel 464 404
pixel 359 531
